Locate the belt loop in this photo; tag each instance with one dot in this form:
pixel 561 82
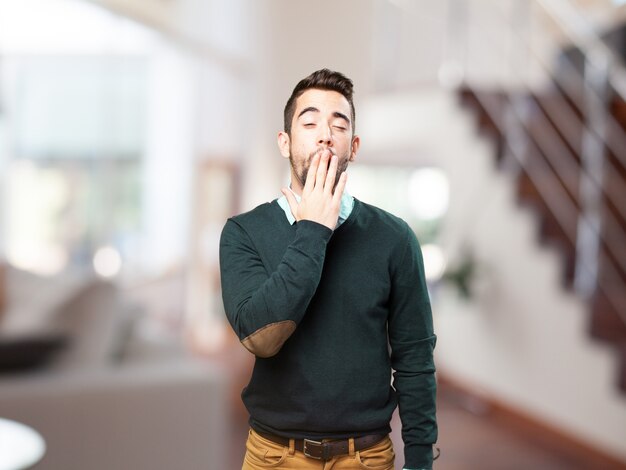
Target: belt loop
pixel 351 446
pixel 292 446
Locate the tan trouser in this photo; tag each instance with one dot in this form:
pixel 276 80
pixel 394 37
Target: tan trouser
pixel 262 453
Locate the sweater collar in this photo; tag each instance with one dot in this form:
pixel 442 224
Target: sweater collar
pixel 347 204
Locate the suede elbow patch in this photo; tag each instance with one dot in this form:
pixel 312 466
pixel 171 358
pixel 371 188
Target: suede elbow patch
pixel 267 341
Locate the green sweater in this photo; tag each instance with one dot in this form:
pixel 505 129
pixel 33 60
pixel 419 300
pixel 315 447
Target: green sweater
pixel 328 315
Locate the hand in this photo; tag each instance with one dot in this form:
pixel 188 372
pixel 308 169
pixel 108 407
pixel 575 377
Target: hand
pixel 319 203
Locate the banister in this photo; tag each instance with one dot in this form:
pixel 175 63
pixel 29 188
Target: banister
pixel 616 138
pixel 600 128
pixel 561 206
pixel 587 40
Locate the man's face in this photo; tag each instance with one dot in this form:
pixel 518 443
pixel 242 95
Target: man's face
pixel 321 121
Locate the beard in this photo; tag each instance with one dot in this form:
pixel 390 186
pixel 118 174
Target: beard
pixel 301 167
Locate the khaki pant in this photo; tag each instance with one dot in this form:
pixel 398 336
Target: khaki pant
pixel 262 453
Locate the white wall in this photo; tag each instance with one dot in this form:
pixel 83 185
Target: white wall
pixel 198 95
pixel 167 163
pixel 299 39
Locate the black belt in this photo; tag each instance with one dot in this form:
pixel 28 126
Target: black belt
pixel 326 450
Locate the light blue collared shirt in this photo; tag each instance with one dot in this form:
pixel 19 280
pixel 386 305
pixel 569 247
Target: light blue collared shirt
pixel 347 204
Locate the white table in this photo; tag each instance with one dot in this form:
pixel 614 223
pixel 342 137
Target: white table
pixel 21 447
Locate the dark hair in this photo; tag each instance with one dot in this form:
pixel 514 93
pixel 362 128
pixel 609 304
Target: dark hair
pixel 323 79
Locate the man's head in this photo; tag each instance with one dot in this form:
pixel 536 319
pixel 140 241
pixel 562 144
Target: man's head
pixel 323 79
pixel 319 115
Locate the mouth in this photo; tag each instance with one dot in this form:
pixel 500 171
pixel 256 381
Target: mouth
pixel 320 150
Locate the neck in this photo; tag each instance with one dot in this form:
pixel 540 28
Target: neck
pixel 296 185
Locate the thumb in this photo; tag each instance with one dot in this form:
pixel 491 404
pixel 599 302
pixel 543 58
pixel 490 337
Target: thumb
pixel 291 200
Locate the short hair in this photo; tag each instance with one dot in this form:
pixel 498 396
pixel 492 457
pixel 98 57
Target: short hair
pixel 323 79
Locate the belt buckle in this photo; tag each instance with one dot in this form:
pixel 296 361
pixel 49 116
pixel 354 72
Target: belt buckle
pixel 305 449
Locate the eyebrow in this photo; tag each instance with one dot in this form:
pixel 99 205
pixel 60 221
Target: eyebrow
pixel 313 109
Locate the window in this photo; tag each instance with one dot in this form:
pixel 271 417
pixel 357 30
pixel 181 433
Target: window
pixel 73 115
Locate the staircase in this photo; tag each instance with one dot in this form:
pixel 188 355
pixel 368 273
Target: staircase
pixel 540 139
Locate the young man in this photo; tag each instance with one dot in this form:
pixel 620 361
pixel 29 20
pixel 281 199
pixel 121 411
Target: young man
pixel 329 294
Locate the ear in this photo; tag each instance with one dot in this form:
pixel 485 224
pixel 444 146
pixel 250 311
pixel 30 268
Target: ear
pixel 356 143
pixel 283 144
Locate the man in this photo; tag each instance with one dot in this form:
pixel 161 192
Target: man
pixel 329 294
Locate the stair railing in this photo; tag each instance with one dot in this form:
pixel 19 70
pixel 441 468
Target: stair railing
pixel 602 72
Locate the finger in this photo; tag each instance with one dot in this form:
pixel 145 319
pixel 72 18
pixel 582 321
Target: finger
pixel 291 200
pixel 310 177
pixel 331 175
pixel 341 185
pixel 322 169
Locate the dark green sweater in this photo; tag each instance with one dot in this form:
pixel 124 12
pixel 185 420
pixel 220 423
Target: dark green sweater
pixel 329 314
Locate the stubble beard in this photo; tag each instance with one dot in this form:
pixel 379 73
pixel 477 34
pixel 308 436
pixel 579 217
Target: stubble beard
pixel 302 170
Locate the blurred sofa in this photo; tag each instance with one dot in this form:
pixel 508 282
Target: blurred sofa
pixel 102 395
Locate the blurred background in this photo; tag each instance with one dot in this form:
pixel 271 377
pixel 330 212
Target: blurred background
pixel 131 130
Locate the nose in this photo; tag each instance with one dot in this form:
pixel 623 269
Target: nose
pixel 325 137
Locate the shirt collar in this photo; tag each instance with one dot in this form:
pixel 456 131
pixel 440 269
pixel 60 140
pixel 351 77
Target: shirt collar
pixel 347 204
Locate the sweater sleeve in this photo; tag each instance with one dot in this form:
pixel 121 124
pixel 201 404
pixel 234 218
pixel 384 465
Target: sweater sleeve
pixel 412 340
pixel 264 307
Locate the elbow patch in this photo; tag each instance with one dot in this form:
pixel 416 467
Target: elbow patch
pixel 267 341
